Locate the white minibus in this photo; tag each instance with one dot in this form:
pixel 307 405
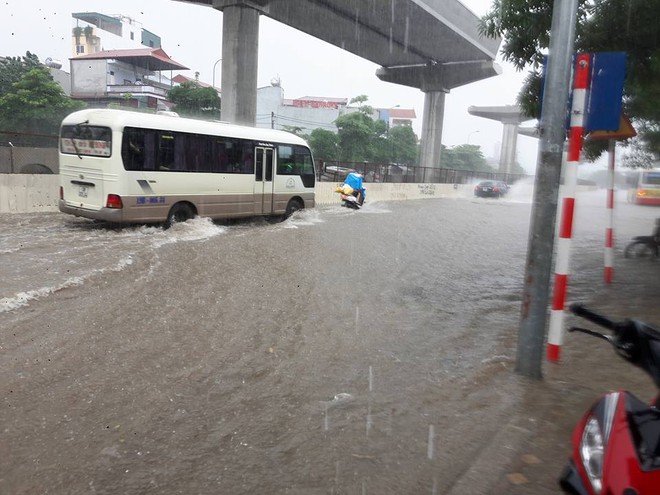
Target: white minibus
pixel 130 167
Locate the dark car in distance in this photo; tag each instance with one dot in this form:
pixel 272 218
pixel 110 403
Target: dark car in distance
pixel 490 189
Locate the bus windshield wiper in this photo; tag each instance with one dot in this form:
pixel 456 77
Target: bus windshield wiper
pixel 73 139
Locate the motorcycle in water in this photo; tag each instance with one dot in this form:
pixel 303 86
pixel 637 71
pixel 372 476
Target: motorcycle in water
pixel 352 191
pixel 645 246
pixel 616 445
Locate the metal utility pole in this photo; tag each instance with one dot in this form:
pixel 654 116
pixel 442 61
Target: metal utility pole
pixel 538 269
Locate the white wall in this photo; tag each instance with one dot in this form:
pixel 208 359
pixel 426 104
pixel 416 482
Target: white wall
pixel 21 193
pixel 88 77
pixel 35 193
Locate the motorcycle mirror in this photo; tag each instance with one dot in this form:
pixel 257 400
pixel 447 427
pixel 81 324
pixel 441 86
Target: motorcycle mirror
pixel 609 338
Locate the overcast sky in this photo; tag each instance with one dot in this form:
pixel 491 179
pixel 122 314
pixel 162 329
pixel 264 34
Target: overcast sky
pixel 192 35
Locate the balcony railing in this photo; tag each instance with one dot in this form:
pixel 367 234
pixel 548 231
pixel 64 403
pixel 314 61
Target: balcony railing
pixel 136 89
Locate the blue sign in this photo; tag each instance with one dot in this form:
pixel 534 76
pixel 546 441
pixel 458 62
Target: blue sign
pixel 608 71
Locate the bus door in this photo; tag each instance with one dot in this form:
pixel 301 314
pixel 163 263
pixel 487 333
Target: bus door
pixel 263 180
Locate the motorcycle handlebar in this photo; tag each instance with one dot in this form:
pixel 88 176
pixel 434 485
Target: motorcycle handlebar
pixel 579 310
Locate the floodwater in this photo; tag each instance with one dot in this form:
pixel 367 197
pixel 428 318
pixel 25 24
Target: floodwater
pixel 338 352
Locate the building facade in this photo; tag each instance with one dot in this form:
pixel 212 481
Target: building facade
pixel 93 32
pixel 312 112
pixel 116 61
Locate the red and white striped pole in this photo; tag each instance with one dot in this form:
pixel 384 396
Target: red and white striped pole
pixel 609 231
pixel 576 136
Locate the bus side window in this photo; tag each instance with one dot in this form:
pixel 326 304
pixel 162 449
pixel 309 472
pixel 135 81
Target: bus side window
pixel 132 149
pixel 165 159
pixel 285 160
pixel 247 157
pixel 149 150
pixel 304 164
pixel 220 154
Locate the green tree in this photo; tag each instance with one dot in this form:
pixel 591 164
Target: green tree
pixel 638 156
pixel 464 157
pixel 193 100
pixel 602 25
pixel 361 138
pixel 35 104
pixel 324 144
pixel 355 132
pixel 403 145
pixel 12 69
pixel 293 129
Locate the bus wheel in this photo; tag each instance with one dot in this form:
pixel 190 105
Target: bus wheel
pixel 293 206
pixel 180 212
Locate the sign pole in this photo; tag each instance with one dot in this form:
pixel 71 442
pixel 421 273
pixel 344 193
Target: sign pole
pixel 538 267
pixel 609 231
pixel 576 137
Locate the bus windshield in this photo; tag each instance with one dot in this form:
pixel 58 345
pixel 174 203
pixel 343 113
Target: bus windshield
pixel 86 140
pixel 650 178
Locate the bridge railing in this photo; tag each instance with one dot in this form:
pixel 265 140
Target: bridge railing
pixel 384 172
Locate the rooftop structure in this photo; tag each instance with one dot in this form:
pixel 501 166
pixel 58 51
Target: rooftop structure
pixel 128 77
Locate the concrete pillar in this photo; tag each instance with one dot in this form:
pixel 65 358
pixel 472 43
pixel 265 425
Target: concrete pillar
pixel 509 144
pixel 431 146
pixel 240 44
pixel 511 116
pixel 436 80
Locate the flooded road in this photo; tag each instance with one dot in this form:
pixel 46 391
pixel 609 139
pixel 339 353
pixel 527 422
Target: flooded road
pixel 338 352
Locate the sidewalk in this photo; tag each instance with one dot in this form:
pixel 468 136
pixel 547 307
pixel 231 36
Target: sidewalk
pixel 540 431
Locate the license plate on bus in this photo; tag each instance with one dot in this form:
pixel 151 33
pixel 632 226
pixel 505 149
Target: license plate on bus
pixel 82 192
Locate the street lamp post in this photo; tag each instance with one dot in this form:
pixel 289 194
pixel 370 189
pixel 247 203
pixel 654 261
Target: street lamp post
pixel 470 135
pixel 214 66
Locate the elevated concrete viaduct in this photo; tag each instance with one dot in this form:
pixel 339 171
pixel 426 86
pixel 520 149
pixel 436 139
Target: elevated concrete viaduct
pixel 432 45
pixel 511 117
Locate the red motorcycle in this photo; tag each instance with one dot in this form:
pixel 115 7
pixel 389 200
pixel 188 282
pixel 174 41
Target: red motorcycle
pixel 616 445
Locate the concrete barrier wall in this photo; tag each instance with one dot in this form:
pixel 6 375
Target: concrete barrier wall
pixel 21 193
pixel 325 191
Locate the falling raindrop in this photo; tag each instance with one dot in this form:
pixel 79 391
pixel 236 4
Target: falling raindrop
pixel 391 41
pixel 325 418
pixel 369 421
pixel 371 378
pixel 405 38
pixel 429 450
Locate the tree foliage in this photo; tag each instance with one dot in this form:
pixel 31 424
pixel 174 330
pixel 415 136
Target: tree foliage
pixel 464 157
pixel 30 100
pixel 324 144
pixel 402 144
pixel 602 26
pixel 193 100
pixel 13 68
pixel 361 138
pixel 357 131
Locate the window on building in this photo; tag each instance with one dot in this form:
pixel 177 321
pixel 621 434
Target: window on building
pixel 132 35
pixel 80 49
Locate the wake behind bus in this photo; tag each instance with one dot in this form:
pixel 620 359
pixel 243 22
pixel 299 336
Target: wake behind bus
pixel 128 167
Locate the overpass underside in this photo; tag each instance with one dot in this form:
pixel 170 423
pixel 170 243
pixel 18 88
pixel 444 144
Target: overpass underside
pixel 432 45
